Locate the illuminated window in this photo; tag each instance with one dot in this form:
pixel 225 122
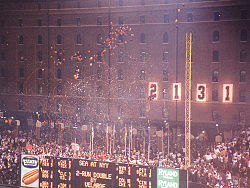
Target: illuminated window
pixel 99 56
pixel 21 88
pixel 243 35
pixel 243 56
pixel 142 110
pixel 242 95
pixel 215 56
pixel 143 56
pixel 215 116
pixel 59 90
pixel 165 93
pixel 59 74
pixel 99 21
pixel 143 38
pixel 216 36
pixel 78 21
pixel 165 57
pixel 39 73
pixel 120 20
pixel 142 19
pixel 215 94
pixel 2 40
pixel 189 17
pixel 243 14
pixel 59 22
pixel 39 90
pixel 142 75
pixel 99 73
pixel 165 75
pixel 120 2
pixel 78 39
pixel 39 39
pixel 215 76
pixel 243 76
pixel 217 16
pixel 39 56
pixel 165 112
pixel 99 91
pixel 20 40
pixel 59 39
pixel 142 93
pixel 242 117
pixel 20 22
pixel 165 37
pixel 21 73
pixel 99 39
pixel 120 56
pixel 120 74
pixel 166 18
pixel 39 22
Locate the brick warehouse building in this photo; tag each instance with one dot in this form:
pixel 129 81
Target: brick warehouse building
pixel 114 84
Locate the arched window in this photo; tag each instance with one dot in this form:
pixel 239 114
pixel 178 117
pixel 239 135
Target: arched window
pixel 59 74
pixel 39 39
pixel 78 39
pixel 143 38
pixel 165 37
pixel 216 36
pixel 243 35
pixel 59 39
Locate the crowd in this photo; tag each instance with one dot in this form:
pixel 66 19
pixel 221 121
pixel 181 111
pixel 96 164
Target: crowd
pixel 222 164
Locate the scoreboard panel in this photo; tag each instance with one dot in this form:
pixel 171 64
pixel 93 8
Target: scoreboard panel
pixel 58 172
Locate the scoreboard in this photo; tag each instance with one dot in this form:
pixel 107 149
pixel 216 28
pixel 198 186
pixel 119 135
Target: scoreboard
pixel 58 172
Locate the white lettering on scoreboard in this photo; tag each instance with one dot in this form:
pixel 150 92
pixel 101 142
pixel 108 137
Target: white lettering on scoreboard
pixel 176 91
pixel 227 93
pixel 201 92
pixel 153 90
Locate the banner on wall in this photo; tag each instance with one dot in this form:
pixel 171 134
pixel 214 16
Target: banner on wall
pixel 29 170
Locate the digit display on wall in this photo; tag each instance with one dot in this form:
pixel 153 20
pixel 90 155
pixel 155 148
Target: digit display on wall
pixel 176 91
pixel 201 92
pixel 153 90
pixel 227 93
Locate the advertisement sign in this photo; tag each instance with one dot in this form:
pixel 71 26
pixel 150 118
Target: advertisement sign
pixel 167 178
pixel 29 170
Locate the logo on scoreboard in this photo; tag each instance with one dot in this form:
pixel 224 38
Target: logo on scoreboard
pixel 167 178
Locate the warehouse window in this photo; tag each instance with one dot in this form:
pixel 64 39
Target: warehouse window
pixel 165 75
pixel 217 16
pixel 243 35
pixel 243 76
pixel 120 74
pixel 215 76
pixel 20 41
pixel 59 22
pixel 142 92
pixel 142 75
pixel 243 14
pixel 142 19
pixel 78 21
pixel 21 73
pixel 78 39
pixel 165 93
pixel 189 17
pixel 215 94
pixel 59 74
pixel 215 56
pixel 59 39
pixel 243 56
pixel 165 37
pixel 99 21
pixel 143 56
pixel 39 73
pixel 165 57
pixel 216 36
pixel 166 18
pixel 39 39
pixel 120 20
pixel 242 95
pixel 120 56
pixel 143 38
